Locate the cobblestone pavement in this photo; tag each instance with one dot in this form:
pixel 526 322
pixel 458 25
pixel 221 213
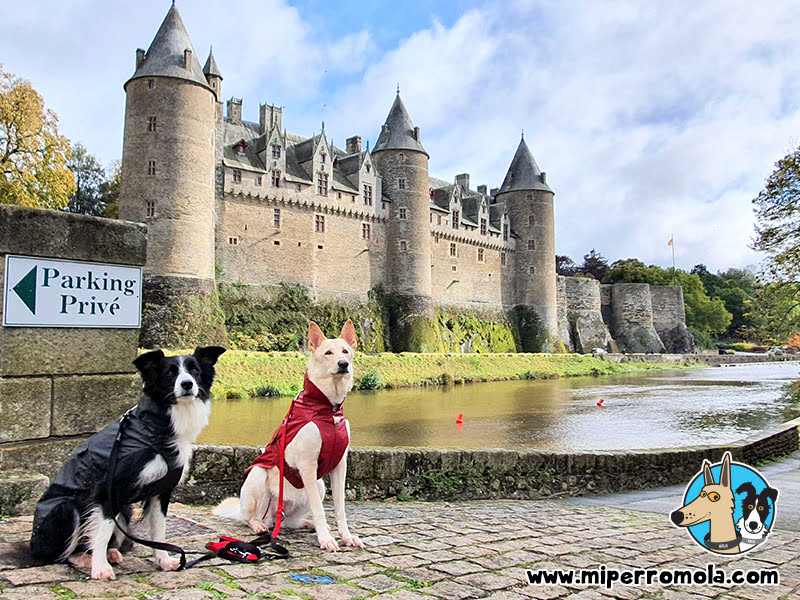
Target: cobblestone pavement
pixel 419 551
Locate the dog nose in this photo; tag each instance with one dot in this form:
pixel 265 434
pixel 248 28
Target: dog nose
pixel 752 525
pixel 186 384
pixel 676 517
pixel 343 364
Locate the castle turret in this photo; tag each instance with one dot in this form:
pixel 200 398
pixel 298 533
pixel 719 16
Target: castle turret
pixel 403 165
pixel 530 207
pixel 168 175
pixel 214 78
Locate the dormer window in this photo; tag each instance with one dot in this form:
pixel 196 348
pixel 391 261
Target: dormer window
pixel 367 167
pixel 483 226
pixel 456 219
pixel 276 151
pixel 241 147
pixel 505 231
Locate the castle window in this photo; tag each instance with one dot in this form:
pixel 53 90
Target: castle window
pixel 151 124
pixel 241 147
pixel 353 199
pixel 150 208
pixel 530 197
pixel 505 231
pixel 453 250
pixel 237 176
pixel 456 219
pixel 481 255
pixel 365 233
pixel 297 187
pixel 151 83
pixel 453 268
pixel 276 218
pixel 531 221
pixel 402 213
pixel 367 194
pixel 319 223
pixel 338 195
pixel 436 239
pixel 502 259
pixel 276 178
pixel 276 243
pixel 258 180
pixel 276 151
pixel 233 241
pixel 401 183
pixel 151 168
pixel 483 227
pixel 383 205
pixel 532 270
pixel 438 219
pixel 403 246
pixel 367 167
pixel 322 184
pixel 322 157
pixel 531 245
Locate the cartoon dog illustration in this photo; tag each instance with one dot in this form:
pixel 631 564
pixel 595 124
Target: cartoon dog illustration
pixel 755 512
pixel 714 504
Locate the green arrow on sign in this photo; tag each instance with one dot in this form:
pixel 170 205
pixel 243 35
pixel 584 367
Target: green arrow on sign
pixel 26 290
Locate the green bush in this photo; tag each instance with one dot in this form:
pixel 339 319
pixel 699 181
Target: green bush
pixel 370 380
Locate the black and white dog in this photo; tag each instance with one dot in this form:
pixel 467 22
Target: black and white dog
pixel 755 511
pixel 74 515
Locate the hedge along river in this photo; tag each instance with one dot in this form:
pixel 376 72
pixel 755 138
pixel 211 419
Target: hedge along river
pixel 663 409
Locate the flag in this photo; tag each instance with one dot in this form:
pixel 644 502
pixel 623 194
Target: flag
pixel 670 242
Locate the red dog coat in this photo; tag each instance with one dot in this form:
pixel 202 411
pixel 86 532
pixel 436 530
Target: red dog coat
pixel 310 405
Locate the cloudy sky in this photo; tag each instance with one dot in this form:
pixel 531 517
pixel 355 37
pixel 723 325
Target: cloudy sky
pixel 650 118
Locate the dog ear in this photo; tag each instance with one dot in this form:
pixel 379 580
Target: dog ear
pixel 349 334
pixel 772 494
pixel 148 360
pixel 746 488
pixel 725 473
pixel 708 477
pixel 315 336
pixel 209 354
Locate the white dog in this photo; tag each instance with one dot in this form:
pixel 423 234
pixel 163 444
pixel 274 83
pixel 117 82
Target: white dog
pixel 317 440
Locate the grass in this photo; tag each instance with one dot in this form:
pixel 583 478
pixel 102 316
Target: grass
pixel 241 373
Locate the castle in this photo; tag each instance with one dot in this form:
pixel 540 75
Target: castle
pixel 232 201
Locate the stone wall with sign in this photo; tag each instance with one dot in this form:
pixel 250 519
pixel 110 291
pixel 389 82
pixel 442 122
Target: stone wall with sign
pixel 60 384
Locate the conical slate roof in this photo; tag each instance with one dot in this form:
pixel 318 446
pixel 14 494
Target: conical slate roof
pixel 524 173
pixel 165 57
pixel 398 131
pixel 211 67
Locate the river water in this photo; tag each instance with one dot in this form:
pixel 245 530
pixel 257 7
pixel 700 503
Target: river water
pixel 665 409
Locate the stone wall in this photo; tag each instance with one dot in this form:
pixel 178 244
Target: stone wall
pixel 433 474
pixel 669 318
pixel 632 315
pixel 587 329
pixel 57 385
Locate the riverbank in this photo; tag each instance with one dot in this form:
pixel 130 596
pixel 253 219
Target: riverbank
pixel 242 374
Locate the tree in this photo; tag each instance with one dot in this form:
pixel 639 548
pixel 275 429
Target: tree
pixel 565 266
pixel 33 154
pixel 89 179
pixel 735 287
pixel 110 191
pixel 629 270
pixel 594 264
pixel 774 313
pixel 777 209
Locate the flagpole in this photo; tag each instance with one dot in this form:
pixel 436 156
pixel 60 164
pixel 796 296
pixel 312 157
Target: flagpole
pixel 672 239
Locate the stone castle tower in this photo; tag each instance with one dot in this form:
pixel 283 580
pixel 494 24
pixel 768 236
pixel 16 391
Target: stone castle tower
pixel 529 200
pixel 168 165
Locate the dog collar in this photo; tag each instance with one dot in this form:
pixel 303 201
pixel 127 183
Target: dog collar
pixel 721 545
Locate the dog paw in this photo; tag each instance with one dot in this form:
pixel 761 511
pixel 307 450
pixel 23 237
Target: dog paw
pixel 114 556
pixel 167 563
pixel 103 572
pixel 329 544
pixel 352 540
pixel 257 526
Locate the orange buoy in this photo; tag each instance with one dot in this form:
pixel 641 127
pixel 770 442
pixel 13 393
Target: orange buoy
pixel 460 418
pixel 600 403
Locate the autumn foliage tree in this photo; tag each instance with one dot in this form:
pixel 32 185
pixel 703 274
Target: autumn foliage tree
pixel 33 155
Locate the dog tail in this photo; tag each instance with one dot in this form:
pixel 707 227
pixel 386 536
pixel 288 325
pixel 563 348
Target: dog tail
pixel 228 509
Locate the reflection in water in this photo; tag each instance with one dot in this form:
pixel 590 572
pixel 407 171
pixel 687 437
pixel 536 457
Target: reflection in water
pixel 682 408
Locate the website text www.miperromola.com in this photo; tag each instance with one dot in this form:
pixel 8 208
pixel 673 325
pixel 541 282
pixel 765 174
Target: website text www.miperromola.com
pixel 603 576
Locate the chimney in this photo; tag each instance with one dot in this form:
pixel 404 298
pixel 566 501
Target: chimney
pixel 544 177
pixel 463 181
pixel 416 133
pixel 139 57
pixel 493 192
pixel 235 110
pixel 482 189
pixel 353 144
pixel 270 117
pixel 187 59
